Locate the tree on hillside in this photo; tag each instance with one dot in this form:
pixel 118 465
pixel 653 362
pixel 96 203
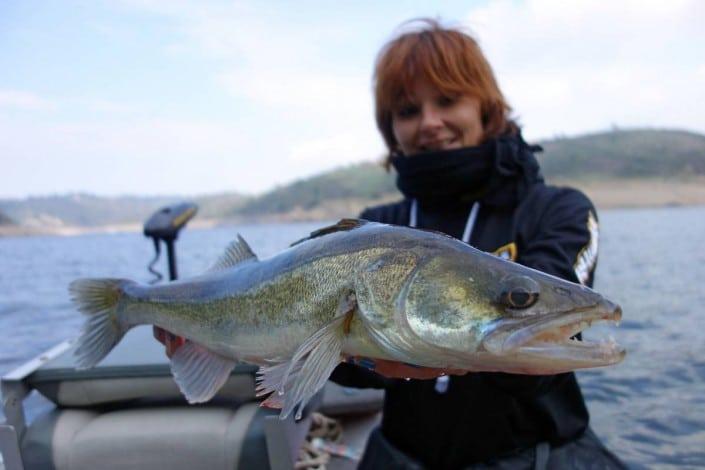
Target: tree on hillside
pixel 5 220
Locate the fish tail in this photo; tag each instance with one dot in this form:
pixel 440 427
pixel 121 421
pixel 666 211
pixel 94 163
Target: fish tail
pixel 98 299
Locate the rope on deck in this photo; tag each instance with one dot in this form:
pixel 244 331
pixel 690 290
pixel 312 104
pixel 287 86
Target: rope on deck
pixel 320 443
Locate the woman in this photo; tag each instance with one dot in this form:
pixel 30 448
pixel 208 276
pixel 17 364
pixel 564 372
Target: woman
pixel 465 170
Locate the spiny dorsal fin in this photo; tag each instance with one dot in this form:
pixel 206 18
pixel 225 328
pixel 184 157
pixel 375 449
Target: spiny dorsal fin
pixel 238 251
pixel 343 225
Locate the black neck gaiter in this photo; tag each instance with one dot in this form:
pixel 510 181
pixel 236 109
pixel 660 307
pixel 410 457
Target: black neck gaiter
pixel 446 176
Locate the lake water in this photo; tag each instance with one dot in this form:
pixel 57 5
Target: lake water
pixel 650 409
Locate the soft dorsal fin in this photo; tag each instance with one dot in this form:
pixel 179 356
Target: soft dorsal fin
pixel 238 251
pixel 343 225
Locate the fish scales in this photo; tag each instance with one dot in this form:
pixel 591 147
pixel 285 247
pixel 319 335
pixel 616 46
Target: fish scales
pixel 240 316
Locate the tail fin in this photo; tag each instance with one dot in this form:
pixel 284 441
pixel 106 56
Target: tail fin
pixel 98 300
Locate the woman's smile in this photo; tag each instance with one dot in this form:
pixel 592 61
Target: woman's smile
pixel 434 145
pixel 433 121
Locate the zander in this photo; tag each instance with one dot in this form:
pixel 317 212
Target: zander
pixel 356 288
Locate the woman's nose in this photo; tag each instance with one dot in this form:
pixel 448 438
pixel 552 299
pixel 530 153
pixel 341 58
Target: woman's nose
pixel 430 118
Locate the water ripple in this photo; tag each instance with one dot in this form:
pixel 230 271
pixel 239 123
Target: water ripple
pixel 650 410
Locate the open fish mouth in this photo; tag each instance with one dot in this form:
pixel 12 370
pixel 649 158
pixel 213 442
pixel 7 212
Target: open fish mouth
pixel 551 338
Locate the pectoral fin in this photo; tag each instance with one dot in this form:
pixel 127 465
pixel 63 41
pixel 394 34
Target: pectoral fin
pixel 198 372
pixel 294 382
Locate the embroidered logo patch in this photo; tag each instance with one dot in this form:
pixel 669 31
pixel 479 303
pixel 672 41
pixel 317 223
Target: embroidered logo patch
pixel 508 251
pixel 587 257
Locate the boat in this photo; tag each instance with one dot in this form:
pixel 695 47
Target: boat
pixel 128 413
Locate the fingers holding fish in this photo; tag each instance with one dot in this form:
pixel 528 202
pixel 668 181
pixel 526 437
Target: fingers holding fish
pixel 171 341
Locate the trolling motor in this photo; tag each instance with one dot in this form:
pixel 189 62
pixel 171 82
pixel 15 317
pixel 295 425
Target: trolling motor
pixel 164 225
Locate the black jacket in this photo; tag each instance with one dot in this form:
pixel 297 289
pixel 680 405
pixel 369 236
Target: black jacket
pixel 483 416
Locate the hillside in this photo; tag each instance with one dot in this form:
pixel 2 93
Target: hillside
pixel 5 220
pixel 594 160
pixel 365 181
pixel 625 154
pixel 618 168
pixel 85 210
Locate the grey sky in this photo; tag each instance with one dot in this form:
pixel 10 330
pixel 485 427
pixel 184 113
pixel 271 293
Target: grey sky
pixel 165 97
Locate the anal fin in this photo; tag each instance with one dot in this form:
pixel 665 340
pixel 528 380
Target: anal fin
pixel 198 372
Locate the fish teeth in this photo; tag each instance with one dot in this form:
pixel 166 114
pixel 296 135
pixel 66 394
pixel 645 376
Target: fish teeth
pixel 608 342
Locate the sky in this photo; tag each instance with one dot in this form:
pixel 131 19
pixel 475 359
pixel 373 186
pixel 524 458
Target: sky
pixel 159 97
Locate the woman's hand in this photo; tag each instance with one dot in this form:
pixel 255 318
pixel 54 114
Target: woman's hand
pixel 400 370
pixel 170 340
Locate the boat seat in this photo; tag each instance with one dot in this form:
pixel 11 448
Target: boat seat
pixel 168 437
pixel 96 390
pixel 344 401
pixel 136 368
pixel 127 413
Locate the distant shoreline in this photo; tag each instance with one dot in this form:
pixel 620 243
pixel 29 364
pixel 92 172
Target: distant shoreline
pixel 74 230
pixel 611 194
pixel 636 193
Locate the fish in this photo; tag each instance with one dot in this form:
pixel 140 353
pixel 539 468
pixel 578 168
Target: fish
pixel 353 289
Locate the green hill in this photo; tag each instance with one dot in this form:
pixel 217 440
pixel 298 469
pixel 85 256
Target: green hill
pixel 86 210
pixel 625 154
pixel 616 154
pixel 5 220
pixel 616 168
pixel 366 181
pixel 80 209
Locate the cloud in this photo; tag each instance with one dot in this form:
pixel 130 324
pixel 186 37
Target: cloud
pixel 245 32
pixel 144 155
pixel 286 90
pixel 266 58
pixel 29 101
pixel 109 106
pixel 317 93
pixel 276 64
pixel 700 73
pixel 571 67
pixel 566 67
pixel 22 100
pixel 336 150
pixel 163 156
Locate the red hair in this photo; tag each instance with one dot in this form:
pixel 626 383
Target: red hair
pixel 450 60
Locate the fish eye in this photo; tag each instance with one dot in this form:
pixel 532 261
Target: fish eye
pixel 519 298
pixel 520 293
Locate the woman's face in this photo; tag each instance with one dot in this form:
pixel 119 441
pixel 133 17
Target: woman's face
pixel 433 121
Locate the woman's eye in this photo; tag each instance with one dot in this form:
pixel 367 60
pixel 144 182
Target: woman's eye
pixel 446 101
pixel 407 111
